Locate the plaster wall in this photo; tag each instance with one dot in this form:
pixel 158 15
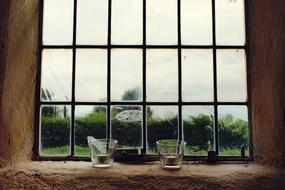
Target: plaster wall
pixel 267 39
pixel 18 46
pixel 18 42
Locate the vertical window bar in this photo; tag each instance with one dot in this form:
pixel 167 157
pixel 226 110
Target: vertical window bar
pixel 109 72
pixel 247 50
pixel 180 135
pixel 144 80
pixel 36 147
pixel 216 124
pixel 73 78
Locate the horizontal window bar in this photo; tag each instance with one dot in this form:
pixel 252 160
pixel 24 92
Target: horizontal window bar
pixel 144 103
pixel 142 46
pixel 149 158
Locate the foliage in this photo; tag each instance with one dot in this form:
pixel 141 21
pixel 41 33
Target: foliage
pixel 198 131
pixel 233 132
pixel 55 131
pixel 132 94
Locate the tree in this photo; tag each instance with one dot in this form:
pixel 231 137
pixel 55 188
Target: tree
pixel 132 94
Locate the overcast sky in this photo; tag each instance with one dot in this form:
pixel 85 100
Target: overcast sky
pixel 126 65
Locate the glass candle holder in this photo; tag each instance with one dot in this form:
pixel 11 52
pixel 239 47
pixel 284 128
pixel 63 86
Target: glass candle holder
pixel 170 153
pixel 102 152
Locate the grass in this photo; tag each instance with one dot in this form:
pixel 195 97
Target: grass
pixel 64 150
pixel 84 151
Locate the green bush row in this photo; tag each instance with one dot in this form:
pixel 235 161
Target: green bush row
pixel 198 131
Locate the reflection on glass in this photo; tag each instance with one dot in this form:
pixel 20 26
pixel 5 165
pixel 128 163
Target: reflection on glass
pixel 162 123
pixel 198 129
pixel 126 75
pixel 92 22
pixel 126 126
pixel 57 22
pixel 127 22
pixel 231 75
pixel 233 130
pixel 161 75
pixel 161 22
pixel 197 75
pixel 55 130
pixel 230 22
pixel 56 75
pixel 89 121
pixel 91 75
pixel 196 22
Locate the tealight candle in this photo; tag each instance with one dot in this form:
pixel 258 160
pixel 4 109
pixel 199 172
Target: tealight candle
pixel 102 158
pixel 171 160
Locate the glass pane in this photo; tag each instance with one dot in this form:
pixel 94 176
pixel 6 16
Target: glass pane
pixel 127 22
pixel 89 121
pixel 162 75
pixel 197 75
pixel 56 75
pixel 126 123
pixel 55 130
pixel 91 75
pixel 92 22
pixel 162 123
pixel 230 22
pixel 58 22
pixel 198 129
pixel 161 22
pixel 233 130
pixel 231 75
pixel 126 75
pixel 196 22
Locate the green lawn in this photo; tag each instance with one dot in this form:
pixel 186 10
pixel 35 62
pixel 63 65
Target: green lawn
pixel 84 151
pixel 63 150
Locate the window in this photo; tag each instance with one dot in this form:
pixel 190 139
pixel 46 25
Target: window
pixel 143 70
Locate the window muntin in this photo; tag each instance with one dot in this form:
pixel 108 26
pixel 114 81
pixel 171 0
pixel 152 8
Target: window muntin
pixel 171 62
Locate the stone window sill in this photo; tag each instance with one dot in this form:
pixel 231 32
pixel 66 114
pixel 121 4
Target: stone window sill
pixel 81 175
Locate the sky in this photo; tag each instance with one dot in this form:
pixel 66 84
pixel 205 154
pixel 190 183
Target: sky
pixel 126 64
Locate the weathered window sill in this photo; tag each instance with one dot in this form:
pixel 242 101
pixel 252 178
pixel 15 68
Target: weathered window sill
pixel 80 175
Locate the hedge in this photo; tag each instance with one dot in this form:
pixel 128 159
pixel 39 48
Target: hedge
pixel 198 131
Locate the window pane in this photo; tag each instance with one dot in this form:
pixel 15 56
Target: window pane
pixel 161 22
pixel 198 129
pixel 126 75
pixel 127 22
pixel 162 123
pixel 196 22
pixel 162 75
pixel 89 121
pixel 55 130
pixel 197 75
pixel 230 22
pixel 231 75
pixel 58 22
pixel 56 75
pixel 126 123
pixel 91 75
pixel 92 22
pixel 233 130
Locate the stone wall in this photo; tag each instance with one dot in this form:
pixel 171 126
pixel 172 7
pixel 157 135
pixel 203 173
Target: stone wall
pixel 18 45
pixel 268 79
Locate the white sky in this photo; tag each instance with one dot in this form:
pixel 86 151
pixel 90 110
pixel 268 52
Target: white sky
pixel 126 69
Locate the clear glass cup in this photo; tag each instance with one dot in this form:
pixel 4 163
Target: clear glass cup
pixel 102 152
pixel 170 153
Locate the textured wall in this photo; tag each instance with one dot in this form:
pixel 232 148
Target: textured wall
pixel 268 79
pixel 18 35
pixel 18 22
pixel 80 175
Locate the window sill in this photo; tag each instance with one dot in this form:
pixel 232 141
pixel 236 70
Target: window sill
pixel 80 175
